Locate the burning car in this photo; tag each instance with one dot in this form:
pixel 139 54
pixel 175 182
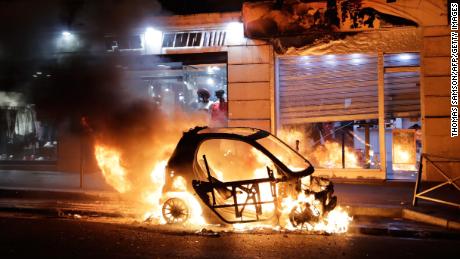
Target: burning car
pixel 243 175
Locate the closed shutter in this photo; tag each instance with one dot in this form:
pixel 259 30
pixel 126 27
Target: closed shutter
pixel 402 89
pixel 327 88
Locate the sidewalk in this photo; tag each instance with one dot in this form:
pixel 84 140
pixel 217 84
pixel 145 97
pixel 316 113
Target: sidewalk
pixel 394 200
pixel 27 190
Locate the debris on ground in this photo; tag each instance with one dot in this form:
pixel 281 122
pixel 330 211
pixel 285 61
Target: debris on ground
pixel 207 232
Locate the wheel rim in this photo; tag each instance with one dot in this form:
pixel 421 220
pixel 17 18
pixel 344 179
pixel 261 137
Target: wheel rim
pixel 175 211
pixel 300 215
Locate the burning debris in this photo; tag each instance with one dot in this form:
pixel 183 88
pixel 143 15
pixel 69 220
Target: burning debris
pixel 205 181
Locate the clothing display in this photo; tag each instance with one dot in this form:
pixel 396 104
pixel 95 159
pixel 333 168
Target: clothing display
pixel 22 137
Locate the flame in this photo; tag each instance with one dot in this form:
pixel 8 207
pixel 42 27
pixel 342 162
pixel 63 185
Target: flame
pixel 335 221
pixel 156 196
pixel 153 196
pixel 179 183
pixel 109 162
pixel 329 155
pixel 403 158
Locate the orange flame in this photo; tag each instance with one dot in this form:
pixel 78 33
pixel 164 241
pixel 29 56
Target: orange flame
pixel 330 156
pixel 109 162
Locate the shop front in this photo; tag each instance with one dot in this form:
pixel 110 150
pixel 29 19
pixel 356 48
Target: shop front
pixel 337 109
pixel 347 85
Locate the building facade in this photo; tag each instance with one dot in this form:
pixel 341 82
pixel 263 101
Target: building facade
pixel 341 101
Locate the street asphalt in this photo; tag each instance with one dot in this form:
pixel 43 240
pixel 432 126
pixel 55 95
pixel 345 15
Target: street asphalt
pixel 32 237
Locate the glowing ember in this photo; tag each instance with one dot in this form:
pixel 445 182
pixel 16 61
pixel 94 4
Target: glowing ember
pixel 109 162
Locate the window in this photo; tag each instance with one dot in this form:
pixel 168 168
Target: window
pixel 25 135
pixel 328 109
pixel 194 39
pixel 332 145
pixel 200 89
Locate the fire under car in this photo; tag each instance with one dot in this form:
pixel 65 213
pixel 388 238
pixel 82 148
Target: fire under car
pixel 242 175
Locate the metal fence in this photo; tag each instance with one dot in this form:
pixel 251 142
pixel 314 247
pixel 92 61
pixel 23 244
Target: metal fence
pixel 434 161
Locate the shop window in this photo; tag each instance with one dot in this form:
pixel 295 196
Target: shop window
pixel 328 109
pixel 333 145
pixel 403 155
pixel 199 89
pixel 25 136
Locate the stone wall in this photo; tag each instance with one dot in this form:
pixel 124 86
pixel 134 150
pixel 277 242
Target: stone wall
pixel 435 97
pixel 250 84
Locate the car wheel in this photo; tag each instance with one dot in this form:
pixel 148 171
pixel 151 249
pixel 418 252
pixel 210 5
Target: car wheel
pixel 175 211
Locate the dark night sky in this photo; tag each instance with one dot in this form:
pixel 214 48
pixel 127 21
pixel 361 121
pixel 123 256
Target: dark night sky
pixel 23 21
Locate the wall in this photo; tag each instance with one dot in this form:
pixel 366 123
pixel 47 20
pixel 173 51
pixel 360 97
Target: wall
pixel 250 83
pixel 435 91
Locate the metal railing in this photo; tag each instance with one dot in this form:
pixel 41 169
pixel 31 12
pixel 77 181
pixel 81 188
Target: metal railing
pixel 449 180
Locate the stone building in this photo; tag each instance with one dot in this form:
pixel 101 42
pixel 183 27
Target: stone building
pixel 339 97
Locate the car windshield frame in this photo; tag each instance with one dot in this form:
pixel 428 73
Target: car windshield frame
pixel 278 142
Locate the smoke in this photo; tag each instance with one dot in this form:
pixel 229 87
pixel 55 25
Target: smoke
pixel 29 27
pixel 89 97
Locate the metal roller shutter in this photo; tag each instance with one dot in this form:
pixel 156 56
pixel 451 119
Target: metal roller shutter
pixel 327 88
pixel 402 89
pixel 345 87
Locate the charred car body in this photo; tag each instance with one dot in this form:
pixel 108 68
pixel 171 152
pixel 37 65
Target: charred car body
pixel 242 175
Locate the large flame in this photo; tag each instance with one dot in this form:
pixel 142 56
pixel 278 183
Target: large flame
pixel 109 161
pixel 111 164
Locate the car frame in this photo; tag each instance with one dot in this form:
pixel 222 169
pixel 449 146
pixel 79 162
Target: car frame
pixel 184 163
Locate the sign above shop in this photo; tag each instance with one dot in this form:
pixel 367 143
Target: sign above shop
pixel 294 17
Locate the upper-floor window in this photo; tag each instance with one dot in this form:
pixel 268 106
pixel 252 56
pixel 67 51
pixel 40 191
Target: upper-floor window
pixel 194 39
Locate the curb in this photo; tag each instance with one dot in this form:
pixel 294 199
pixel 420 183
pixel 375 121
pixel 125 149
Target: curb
pixel 385 212
pixel 404 233
pixel 429 219
pixel 395 212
